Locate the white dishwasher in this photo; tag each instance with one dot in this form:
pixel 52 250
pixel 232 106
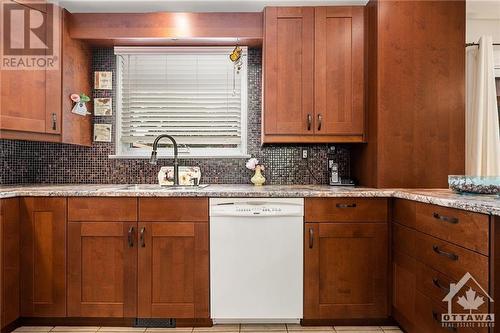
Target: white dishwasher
pixel 256 260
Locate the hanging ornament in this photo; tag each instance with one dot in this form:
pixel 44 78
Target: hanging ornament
pixel 235 57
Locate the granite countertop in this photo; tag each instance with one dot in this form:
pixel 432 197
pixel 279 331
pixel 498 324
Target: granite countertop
pixel 486 204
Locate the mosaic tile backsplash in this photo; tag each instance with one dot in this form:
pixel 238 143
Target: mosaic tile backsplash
pixel 38 162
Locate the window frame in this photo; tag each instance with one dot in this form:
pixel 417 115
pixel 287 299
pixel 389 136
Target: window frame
pixel 123 151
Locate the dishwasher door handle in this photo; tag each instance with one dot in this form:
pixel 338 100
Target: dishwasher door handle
pixel 311 238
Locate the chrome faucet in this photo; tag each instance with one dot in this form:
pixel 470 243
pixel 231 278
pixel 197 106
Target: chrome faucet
pixel 154 154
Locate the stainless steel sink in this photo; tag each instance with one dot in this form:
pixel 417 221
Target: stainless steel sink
pixel 154 187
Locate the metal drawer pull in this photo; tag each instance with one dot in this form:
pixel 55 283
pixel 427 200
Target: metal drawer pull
pixel 311 238
pixel 309 121
pixel 143 244
pixel 54 121
pixel 438 284
pixel 320 119
pixel 449 219
pixel 449 255
pixel 131 237
pixel 346 205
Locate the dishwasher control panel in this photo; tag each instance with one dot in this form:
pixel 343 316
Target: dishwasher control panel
pixel 257 207
pixel 259 210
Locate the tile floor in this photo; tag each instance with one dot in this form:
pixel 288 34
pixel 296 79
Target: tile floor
pixel 243 328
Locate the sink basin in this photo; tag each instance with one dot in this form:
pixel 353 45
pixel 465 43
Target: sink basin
pixel 154 187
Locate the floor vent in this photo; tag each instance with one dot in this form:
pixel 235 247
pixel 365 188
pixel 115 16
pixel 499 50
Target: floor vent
pixel 155 322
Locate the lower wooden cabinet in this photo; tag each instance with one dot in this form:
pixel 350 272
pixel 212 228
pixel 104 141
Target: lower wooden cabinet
pixel 128 268
pixel 404 290
pixel 173 270
pixel 9 261
pixel 345 270
pixel 424 266
pixel 43 257
pixel 102 269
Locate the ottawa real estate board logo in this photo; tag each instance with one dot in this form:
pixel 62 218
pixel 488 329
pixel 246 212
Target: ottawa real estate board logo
pixel 30 35
pixel 467 304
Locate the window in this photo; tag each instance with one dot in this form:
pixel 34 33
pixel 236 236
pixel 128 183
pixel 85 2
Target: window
pixel 194 94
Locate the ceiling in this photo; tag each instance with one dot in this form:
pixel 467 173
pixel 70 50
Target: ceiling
pixel 483 9
pixel 144 6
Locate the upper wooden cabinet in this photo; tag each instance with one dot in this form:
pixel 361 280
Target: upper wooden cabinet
pixel 313 74
pixel 416 95
pixel 35 104
pixel 339 72
pixel 288 72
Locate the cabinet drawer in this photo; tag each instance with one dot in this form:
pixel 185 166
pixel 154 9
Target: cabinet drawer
pixel 403 239
pixel 403 212
pixel 173 209
pixel 102 209
pixel 428 316
pixel 436 286
pixel 450 259
pixel 463 228
pixel 346 209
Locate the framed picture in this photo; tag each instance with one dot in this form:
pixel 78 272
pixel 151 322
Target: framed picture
pixel 102 132
pixel 103 106
pixel 103 80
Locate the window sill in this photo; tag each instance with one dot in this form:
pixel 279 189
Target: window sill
pixel 181 157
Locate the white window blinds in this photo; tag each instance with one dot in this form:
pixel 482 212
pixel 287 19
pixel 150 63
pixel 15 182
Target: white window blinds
pixel 193 94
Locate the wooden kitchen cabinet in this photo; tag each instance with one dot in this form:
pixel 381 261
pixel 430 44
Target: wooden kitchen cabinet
pixel 173 266
pixel 313 74
pixel 339 72
pixel 404 290
pixel 288 63
pixel 28 102
pixel 102 257
pixel 415 112
pixel 425 260
pixel 173 258
pixel 43 256
pixel 345 271
pixel 35 104
pixel 9 261
pixel 102 269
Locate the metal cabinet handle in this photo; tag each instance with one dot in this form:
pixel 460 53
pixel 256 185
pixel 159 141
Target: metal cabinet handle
pixel 436 282
pixel 143 243
pixel 131 237
pixel 346 205
pixel 54 121
pixel 449 255
pixel 449 219
pixel 320 119
pixel 309 121
pixel 311 238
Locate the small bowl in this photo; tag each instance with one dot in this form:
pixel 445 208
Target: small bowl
pixel 474 184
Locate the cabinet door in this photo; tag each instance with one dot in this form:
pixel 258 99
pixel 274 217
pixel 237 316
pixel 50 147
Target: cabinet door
pixel 288 71
pixel 102 269
pixel 339 71
pixel 404 289
pixel 345 271
pixel 173 266
pixel 30 99
pixel 9 261
pixel 43 257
